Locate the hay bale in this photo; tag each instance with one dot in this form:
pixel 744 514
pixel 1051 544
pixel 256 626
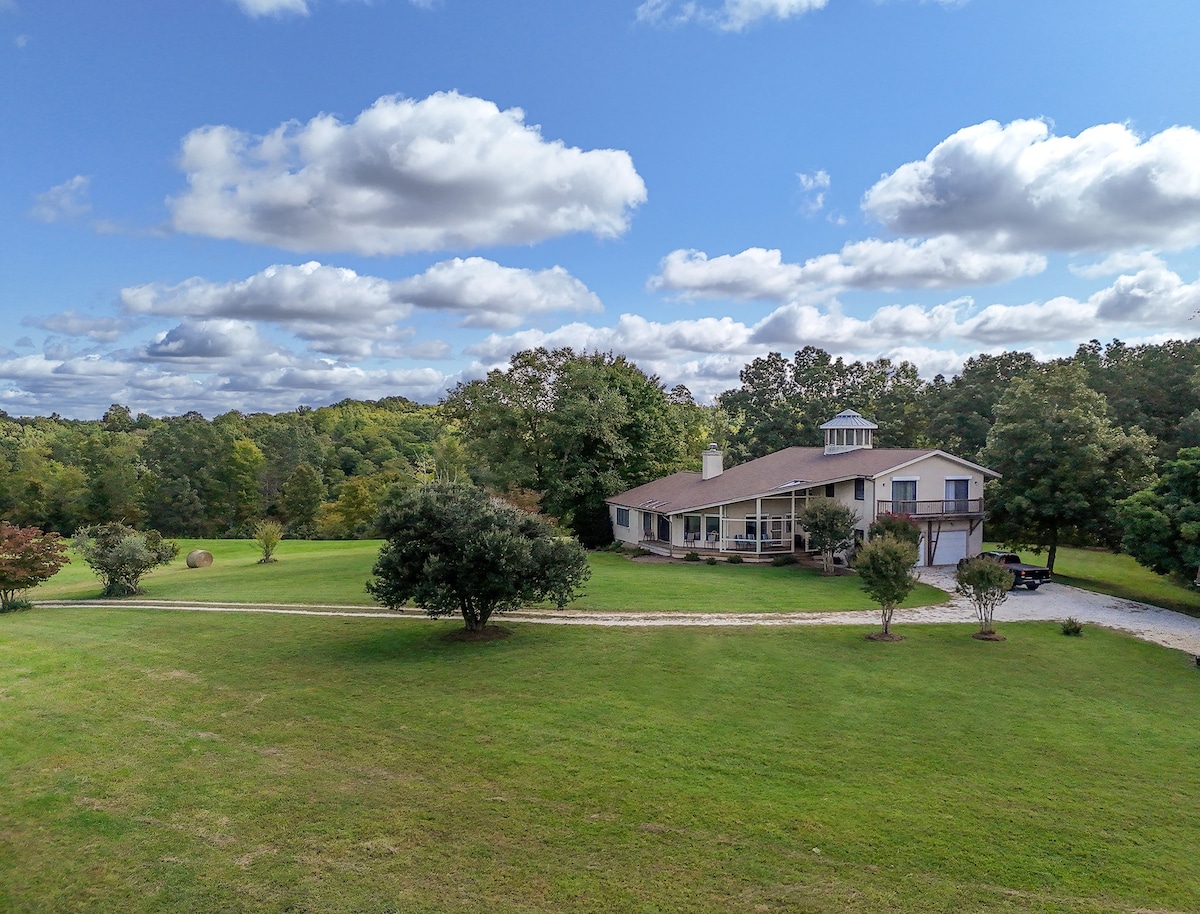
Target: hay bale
pixel 199 558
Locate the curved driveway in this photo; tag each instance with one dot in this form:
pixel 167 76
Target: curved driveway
pixel 1050 603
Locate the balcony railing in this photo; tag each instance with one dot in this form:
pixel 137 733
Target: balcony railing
pixel 944 507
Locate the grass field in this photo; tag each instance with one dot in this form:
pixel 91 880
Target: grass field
pixel 335 573
pixel 1118 576
pixel 178 762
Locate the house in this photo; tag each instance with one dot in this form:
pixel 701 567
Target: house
pixel 749 509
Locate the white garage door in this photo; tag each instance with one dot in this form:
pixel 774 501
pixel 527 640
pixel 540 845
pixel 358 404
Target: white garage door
pixel 951 546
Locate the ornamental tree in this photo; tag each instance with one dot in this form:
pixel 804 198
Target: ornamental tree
pixel 986 584
pixel 267 536
pixel 451 548
pixel 830 526
pixel 120 555
pixel 885 567
pixel 28 556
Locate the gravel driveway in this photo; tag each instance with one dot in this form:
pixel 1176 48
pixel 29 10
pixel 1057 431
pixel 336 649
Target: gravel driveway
pixel 1050 603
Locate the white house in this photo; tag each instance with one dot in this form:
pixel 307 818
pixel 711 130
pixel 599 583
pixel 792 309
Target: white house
pixel 749 509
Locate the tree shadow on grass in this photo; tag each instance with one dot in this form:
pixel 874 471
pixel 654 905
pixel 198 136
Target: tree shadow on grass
pixel 414 644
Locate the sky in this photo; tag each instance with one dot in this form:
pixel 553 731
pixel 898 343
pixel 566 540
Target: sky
pixel 255 205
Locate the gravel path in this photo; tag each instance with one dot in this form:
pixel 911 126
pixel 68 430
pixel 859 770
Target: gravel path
pixel 1050 603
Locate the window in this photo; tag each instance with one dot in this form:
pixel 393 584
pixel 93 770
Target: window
pixel 829 491
pixel 860 490
pixel 691 528
pixel 712 527
pixel 904 496
pixel 622 517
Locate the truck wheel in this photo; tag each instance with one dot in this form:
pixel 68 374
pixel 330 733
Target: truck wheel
pixel 1033 586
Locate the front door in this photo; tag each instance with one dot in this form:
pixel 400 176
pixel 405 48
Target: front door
pixel 957 494
pixel 664 528
pixel 904 496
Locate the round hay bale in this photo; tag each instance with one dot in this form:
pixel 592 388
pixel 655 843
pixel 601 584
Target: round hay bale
pixel 199 558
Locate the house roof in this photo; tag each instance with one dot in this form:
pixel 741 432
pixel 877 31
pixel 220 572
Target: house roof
pixel 791 468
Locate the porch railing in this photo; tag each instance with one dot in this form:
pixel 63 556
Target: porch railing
pixel 944 507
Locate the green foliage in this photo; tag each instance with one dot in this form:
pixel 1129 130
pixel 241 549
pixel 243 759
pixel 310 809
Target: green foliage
pixel 900 526
pixel 786 559
pixel 16 604
pixel 830 526
pixel 120 555
pixel 1064 462
pixel 986 585
pixel 962 411
pixel 1071 626
pixel 574 428
pixel 711 560
pixel 692 557
pixel 1160 525
pixel 735 560
pixel 301 499
pixel 28 557
pixel 267 536
pixel 453 549
pixel 885 569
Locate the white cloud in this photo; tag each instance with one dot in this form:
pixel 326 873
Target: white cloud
pixel 63 202
pixel 448 171
pixel 730 16
pixel 71 323
pixel 340 312
pixel 1018 187
pixel 814 187
pixel 258 8
pixel 757 273
pixel 1120 262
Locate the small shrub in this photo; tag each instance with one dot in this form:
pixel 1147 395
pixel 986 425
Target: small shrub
pixel 780 560
pixel 15 605
pixel 692 557
pixel 614 546
pixel 637 552
pixel 1072 626
pixel 711 560
pixel 735 560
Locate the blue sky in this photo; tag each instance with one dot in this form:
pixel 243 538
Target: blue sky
pixel 258 204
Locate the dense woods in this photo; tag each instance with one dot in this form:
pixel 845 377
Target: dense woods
pixel 562 430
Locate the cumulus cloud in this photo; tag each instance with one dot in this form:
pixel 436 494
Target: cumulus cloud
pixel 258 8
pixel 1018 187
pixel 63 202
pixel 447 171
pixel 71 323
pixel 340 312
pixel 730 16
pixel 757 273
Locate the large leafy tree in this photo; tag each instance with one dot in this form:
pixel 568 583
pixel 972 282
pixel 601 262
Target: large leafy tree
pixel 1160 525
pixel 1065 463
pixel 830 526
pixel 120 556
pixel 574 428
pixel 961 411
pixel 452 549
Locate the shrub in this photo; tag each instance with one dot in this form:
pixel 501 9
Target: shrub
pixel 830 526
pixel 692 557
pixel 28 556
pixel 901 526
pixel 614 546
pixel 711 560
pixel 16 604
pixel 120 555
pixel 780 560
pixel 1072 626
pixel 986 584
pixel 735 560
pixel 267 536
pixel 885 567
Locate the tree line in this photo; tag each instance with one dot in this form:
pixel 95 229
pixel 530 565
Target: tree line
pixel 560 431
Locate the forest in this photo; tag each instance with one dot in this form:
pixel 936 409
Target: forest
pixel 558 431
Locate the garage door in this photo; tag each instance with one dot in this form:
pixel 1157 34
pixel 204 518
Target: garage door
pixel 951 546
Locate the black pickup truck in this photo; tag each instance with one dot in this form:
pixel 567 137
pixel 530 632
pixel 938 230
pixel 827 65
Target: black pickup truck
pixel 1031 576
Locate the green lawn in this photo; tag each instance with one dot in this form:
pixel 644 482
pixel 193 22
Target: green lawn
pixel 179 762
pixel 1119 576
pixel 335 572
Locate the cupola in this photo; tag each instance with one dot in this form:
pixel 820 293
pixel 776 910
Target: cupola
pixel 848 431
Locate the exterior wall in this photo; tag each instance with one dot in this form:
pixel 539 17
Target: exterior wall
pixel 630 534
pixel 931 485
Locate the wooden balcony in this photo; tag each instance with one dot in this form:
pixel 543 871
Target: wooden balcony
pixel 945 507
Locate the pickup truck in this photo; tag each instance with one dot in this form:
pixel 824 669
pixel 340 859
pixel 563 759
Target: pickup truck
pixel 1031 576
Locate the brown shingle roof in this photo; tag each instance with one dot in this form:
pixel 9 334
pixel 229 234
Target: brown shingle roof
pixel 793 467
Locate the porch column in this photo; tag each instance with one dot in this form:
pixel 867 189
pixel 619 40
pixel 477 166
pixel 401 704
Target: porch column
pixel 792 541
pixel 758 527
pixel 720 528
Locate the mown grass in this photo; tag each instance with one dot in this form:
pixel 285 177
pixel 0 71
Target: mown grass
pixel 164 761
pixel 1118 576
pixel 335 573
